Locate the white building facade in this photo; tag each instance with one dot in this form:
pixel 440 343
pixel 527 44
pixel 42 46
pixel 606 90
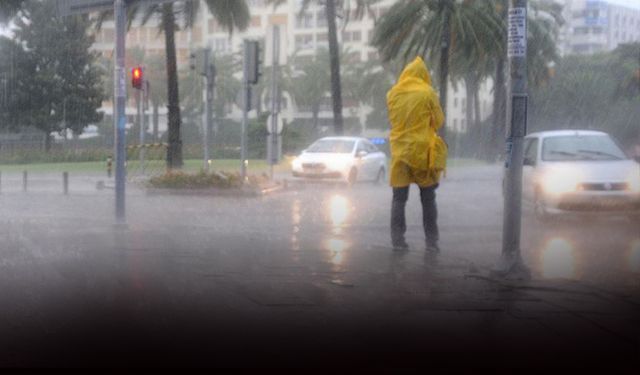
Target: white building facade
pixel 593 26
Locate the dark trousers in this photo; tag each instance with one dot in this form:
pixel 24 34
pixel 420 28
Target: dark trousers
pixel 429 214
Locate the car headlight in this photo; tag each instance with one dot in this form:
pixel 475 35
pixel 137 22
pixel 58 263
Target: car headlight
pixel 634 181
pixel 296 163
pixel 561 181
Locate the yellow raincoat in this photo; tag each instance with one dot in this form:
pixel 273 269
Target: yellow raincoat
pixel 418 154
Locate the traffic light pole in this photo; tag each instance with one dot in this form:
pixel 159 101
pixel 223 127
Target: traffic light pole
pixel 273 136
pixel 207 109
pixel 120 120
pixel 245 111
pixel 511 265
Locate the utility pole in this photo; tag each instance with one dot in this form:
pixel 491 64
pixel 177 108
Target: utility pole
pixel 120 16
pixel 273 139
pixel 444 62
pixel 250 76
pixel 208 73
pixel 246 97
pixel 511 264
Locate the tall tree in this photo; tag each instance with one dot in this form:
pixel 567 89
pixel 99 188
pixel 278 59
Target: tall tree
pixel 309 83
pixel 9 8
pixel 358 9
pixel 57 83
pixel 230 14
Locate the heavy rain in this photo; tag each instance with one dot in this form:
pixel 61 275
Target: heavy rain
pixel 218 183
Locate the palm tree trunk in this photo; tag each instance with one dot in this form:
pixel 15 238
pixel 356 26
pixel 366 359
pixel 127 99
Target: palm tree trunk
pixel 444 63
pixel 336 90
pixel 155 122
pixel 174 151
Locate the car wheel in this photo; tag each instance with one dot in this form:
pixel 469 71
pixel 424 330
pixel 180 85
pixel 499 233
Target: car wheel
pixel 380 176
pixel 353 176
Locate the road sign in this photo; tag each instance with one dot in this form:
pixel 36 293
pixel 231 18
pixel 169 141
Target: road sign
pixel 69 7
pixel 279 124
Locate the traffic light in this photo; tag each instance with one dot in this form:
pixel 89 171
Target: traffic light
pixel 137 78
pixel 253 62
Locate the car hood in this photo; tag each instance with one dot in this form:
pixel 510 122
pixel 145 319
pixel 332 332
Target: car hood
pixel 596 171
pixel 319 157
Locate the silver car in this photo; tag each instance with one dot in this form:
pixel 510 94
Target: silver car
pixel 579 171
pixel 349 159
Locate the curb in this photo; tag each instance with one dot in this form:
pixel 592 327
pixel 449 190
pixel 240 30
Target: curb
pixel 216 192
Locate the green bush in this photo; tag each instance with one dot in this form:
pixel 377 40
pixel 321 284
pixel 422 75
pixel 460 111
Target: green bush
pixel 203 180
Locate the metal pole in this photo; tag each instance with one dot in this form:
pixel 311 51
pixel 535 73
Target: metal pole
pixel 245 112
pixel 273 138
pixel 24 181
pixel 140 123
pixel 211 71
pixel 205 113
pixel 120 119
pixel 511 262
pixel 444 63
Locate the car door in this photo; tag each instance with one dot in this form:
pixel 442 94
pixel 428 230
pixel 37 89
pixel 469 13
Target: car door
pixel 529 168
pixel 378 159
pixel 361 160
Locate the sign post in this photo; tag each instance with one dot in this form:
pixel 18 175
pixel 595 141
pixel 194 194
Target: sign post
pixel 274 133
pixel 511 264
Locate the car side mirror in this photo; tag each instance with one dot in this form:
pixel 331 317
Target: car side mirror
pixel 362 153
pixel 529 162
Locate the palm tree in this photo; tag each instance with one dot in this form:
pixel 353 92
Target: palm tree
pixel 230 14
pixel 9 8
pixel 309 83
pixel 331 9
pixel 434 29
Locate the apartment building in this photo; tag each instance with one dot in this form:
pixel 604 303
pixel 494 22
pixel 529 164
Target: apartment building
pixel 301 35
pixel 598 25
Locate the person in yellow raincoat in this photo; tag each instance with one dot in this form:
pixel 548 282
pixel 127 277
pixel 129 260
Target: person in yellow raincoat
pixel 418 154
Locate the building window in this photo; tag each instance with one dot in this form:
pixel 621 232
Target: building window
pixel 304 21
pixel 256 21
pixel 322 37
pixel 304 41
pixel 322 19
pixel 455 102
pixel 220 44
pixel 455 123
pixel 356 36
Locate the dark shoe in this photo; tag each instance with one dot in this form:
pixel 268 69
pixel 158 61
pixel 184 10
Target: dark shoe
pixel 403 246
pixel 433 247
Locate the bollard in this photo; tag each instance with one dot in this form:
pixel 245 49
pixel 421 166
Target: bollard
pixel 109 165
pixel 65 182
pixel 24 181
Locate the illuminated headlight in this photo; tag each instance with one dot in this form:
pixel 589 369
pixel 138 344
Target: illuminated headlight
pixel 561 181
pixel 634 181
pixel 296 164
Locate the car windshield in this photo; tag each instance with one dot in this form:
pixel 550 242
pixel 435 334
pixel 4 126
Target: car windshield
pixel 336 146
pixel 586 147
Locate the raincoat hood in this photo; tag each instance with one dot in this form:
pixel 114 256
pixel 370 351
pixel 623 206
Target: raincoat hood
pixel 415 117
pixel 417 70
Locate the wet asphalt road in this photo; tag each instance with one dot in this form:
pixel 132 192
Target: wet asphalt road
pixel 207 266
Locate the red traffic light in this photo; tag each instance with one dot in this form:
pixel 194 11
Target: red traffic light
pixel 137 78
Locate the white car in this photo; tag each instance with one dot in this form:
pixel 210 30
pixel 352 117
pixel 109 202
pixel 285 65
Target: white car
pixel 579 171
pixel 349 159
